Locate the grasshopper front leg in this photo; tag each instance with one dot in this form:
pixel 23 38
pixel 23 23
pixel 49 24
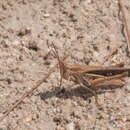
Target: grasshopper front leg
pixel 83 83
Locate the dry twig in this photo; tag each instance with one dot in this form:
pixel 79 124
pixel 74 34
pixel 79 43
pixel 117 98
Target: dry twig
pixel 111 53
pixel 125 22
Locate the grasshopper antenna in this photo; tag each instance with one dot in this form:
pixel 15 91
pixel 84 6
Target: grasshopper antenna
pixel 55 52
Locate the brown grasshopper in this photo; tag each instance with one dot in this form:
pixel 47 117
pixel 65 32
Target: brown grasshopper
pixel 92 76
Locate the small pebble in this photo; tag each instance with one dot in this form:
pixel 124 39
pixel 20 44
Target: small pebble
pixel 89 1
pixel 4 43
pixel 18 77
pixel 59 128
pixel 96 54
pixel 32 45
pixel 24 31
pixel 127 88
pixel 1 114
pixel 123 119
pixel 70 126
pixel 16 43
pixel 127 101
pixel 34 57
pixel 46 15
pixel 95 47
pixel 27 118
pixel 76 114
pixel 41 53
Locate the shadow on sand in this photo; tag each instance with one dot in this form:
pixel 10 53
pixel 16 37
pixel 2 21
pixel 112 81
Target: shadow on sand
pixel 78 92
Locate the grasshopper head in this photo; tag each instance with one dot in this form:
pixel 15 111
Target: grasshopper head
pixel 62 64
pixel 63 69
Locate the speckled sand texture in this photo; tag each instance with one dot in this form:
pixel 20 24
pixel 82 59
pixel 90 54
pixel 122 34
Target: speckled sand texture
pixel 87 30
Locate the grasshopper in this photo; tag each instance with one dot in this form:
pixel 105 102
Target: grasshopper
pixel 91 76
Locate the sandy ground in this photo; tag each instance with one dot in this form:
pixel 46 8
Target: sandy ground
pixel 87 30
